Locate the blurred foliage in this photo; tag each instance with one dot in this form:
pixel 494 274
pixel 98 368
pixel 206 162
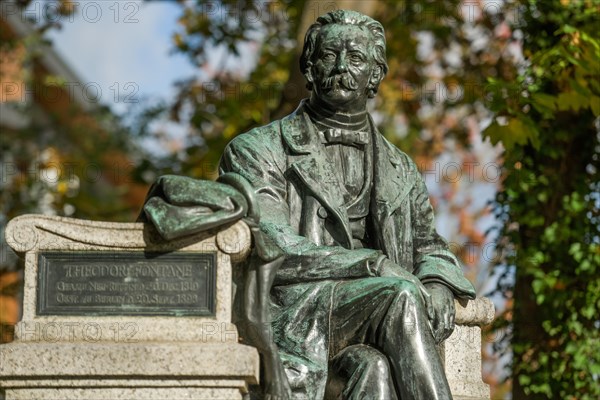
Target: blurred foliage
pixel 425 99
pixel 80 171
pixel 65 157
pixel 547 119
pixel 232 95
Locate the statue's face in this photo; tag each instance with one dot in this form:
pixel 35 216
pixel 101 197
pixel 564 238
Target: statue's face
pixel 343 66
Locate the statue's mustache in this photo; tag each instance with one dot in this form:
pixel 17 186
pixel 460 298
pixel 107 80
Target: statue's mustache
pixel 344 80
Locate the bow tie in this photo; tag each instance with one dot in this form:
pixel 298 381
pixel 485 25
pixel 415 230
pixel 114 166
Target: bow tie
pixel 343 136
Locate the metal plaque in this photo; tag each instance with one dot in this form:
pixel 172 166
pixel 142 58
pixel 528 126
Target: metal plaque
pixel 126 283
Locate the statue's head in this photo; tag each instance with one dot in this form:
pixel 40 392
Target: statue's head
pixel 344 59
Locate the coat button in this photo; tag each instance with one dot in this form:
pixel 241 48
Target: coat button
pixel 322 212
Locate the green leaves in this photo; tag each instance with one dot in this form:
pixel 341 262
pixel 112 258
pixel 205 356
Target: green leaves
pixel 515 132
pixel 544 103
pixel 546 122
pixel 572 100
pixel 595 105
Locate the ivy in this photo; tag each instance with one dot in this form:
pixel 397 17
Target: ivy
pixel 550 133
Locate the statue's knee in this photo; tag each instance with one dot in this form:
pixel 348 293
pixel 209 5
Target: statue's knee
pixel 379 365
pixel 408 291
pixel 360 356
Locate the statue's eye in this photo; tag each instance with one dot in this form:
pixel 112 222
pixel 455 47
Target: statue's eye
pixel 328 57
pixel 356 57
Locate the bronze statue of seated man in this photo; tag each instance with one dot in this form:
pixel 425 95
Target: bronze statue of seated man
pixel 362 287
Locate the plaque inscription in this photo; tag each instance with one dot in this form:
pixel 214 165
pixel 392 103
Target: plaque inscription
pixel 126 283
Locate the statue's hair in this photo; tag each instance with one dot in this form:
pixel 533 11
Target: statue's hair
pixel 344 17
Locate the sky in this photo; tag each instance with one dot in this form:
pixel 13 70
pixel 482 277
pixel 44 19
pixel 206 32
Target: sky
pixel 125 47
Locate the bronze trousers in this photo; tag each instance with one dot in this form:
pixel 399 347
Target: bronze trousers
pixel 382 343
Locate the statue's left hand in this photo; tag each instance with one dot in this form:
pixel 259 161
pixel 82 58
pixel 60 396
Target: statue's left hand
pixel 442 300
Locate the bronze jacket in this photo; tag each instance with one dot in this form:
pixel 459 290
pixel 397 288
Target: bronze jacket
pixel 302 208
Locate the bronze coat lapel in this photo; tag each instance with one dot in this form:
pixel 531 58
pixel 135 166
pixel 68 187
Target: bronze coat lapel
pixel 309 162
pixel 393 179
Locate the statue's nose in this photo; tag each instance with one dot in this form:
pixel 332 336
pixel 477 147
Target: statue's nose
pixel 342 66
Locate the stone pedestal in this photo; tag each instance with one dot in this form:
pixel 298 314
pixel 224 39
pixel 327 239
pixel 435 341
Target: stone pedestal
pixel 74 354
pixel 461 352
pixel 100 371
pixel 138 355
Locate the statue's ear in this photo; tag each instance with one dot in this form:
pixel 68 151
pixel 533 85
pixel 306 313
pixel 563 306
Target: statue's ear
pixel 308 72
pixel 376 76
pixel 308 75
